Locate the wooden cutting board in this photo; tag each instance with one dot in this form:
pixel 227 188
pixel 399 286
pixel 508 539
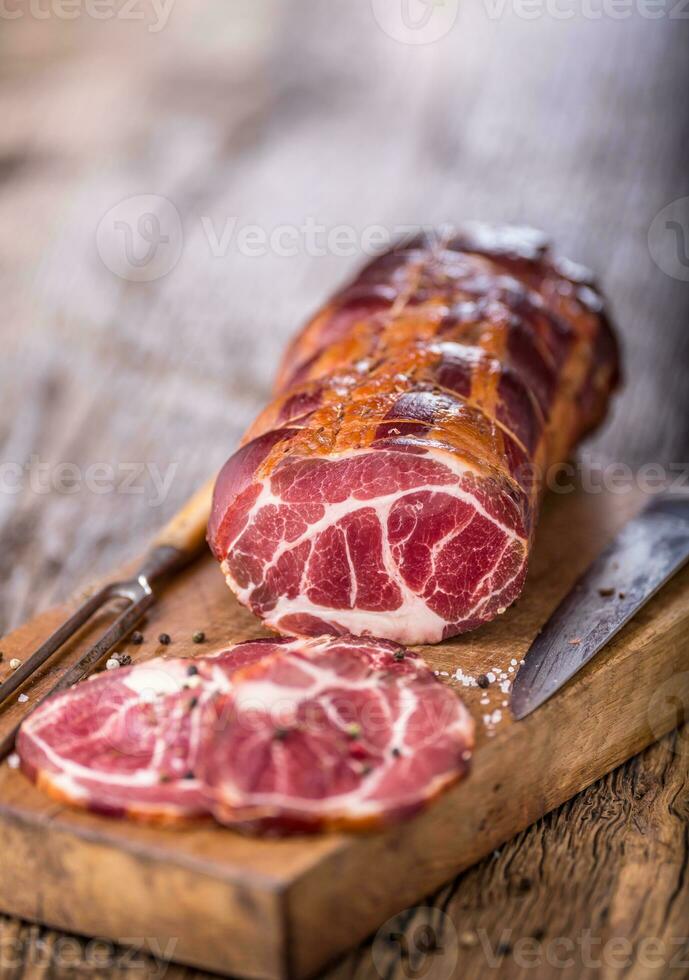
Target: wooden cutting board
pixel 276 908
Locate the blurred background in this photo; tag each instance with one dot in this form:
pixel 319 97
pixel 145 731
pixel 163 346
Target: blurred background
pixel 183 181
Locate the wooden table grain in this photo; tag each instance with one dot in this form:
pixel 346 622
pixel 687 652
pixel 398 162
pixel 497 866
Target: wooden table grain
pixel 180 183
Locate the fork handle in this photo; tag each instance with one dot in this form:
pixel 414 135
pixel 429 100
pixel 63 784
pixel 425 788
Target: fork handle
pixel 186 531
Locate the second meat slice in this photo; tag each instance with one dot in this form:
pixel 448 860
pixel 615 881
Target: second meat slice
pixel 268 735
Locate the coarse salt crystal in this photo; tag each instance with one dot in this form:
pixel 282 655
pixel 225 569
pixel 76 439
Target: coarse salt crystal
pixel 14 663
pixel 112 663
pixel 466 680
pixel 23 698
pixel 13 761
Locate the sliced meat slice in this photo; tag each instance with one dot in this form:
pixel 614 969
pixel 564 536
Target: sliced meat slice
pixel 331 733
pixel 123 743
pixel 126 742
pixel 270 735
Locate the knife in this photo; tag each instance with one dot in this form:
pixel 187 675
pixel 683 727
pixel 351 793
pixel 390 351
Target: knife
pixel 646 553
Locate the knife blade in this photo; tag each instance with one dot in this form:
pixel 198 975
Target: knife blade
pixel 643 556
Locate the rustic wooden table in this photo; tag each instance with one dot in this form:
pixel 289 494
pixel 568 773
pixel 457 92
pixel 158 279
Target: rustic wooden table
pixel 286 139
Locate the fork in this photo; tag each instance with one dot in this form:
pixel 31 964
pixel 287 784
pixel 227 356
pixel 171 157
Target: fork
pixel 174 547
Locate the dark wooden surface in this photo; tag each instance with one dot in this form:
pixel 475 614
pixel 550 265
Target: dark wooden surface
pixel 275 114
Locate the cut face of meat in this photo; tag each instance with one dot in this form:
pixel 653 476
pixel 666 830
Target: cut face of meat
pixel 267 735
pixel 389 543
pixel 332 733
pixel 126 742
